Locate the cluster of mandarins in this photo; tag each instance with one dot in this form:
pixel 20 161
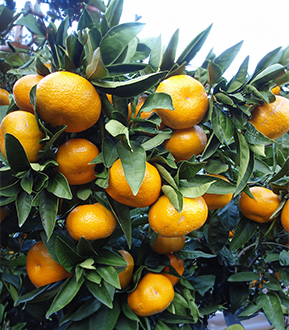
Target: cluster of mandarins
pixel 64 98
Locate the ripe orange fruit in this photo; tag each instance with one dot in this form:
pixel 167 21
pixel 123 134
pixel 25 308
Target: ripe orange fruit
pixel 3 213
pixel 217 201
pixel 178 265
pixel 41 268
pixel 23 125
pixel 120 190
pixel 261 207
pixel 165 245
pixel 165 220
pixel 21 90
pixel 73 158
pixel 65 98
pixel 4 97
pixel 126 275
pixel 153 295
pixel 272 119
pixel 231 233
pixel 91 221
pixel 190 101
pixel 285 216
pixel 184 143
pixel 276 90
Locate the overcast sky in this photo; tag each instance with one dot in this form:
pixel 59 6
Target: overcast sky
pixel 262 24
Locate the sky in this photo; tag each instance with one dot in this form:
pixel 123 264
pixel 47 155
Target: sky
pixel 263 25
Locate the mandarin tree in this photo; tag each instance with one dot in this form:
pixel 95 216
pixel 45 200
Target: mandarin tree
pixel 119 154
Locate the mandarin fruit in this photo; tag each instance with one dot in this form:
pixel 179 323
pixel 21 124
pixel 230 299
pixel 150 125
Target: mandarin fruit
pixel 126 275
pixel 165 245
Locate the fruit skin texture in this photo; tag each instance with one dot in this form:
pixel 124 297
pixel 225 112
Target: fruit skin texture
pixel 184 143
pixel 126 275
pixel 91 221
pixel 21 90
pixel 276 90
pixel 217 201
pixel 166 221
pixel 165 245
pixel 272 119
pixel 4 97
pixel 24 127
pixel 120 190
pixel 178 265
pixel 190 101
pixel 41 268
pixel 153 295
pixel 285 216
pixel 65 98
pixel 260 208
pixel 73 158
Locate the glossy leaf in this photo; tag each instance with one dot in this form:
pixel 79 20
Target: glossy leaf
pixel 48 207
pixel 175 197
pixel 244 231
pixel 110 258
pixel 85 21
pixel 239 79
pixel 266 61
pixel 30 22
pixel 226 58
pixel 96 69
pixel 116 39
pixel 193 47
pixel 170 53
pixel 271 305
pixel 67 292
pixel 222 126
pixel 58 186
pixel 244 277
pixel 100 292
pixel 129 88
pixel 16 154
pixel 156 54
pixel 273 72
pixel 133 164
pixel 113 12
pixel 109 274
pixel 23 206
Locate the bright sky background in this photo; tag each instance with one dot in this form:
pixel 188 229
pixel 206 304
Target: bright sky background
pixel 262 24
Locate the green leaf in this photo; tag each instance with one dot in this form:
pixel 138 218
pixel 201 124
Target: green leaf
pixel 92 276
pixel 61 34
pixel 253 136
pixel 114 12
pixel 74 48
pixel 116 39
pixel 58 186
pixel 266 61
pixel 190 190
pixel 194 46
pixel 85 21
pixel 66 293
pixel 244 277
pixel 129 88
pixel 243 233
pixel 170 53
pixel 157 101
pixel 214 73
pixel 96 69
pixel 23 206
pixel 125 68
pixel 175 197
pixel 226 58
pixel 110 258
pixel 271 305
pixel 66 254
pixel 217 234
pixel 222 126
pixel 134 165
pixel 165 174
pixel 48 208
pixel 118 130
pixel 122 214
pixel 105 318
pixel 156 54
pixel 203 283
pixel 16 155
pixel 244 158
pixel 273 72
pixel 157 140
pixel 235 327
pixel 100 292
pixel 30 22
pixel 110 275
pixel 239 79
